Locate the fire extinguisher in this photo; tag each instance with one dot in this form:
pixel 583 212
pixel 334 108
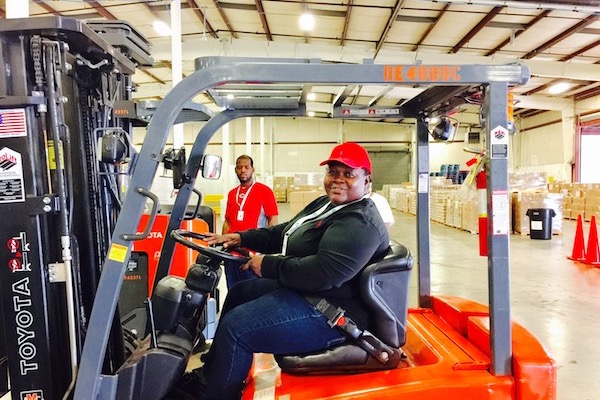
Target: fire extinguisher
pixel 482 210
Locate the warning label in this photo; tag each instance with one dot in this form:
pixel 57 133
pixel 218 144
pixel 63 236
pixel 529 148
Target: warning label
pixel 11 176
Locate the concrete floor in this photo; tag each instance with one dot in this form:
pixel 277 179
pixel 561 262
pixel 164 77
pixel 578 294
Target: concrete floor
pixel 557 299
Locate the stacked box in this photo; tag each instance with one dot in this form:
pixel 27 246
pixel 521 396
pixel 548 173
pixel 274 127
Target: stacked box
pixel 454 212
pixel 523 201
pixel 400 197
pixel 470 216
pixel 300 198
pixel 576 207
pixel 592 205
pixel 280 185
pixel 522 181
pixel 437 205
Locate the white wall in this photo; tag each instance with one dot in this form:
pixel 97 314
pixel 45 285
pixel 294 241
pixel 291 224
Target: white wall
pixel 297 145
pixel 543 144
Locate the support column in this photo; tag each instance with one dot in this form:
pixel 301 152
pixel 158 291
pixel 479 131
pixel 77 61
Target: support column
pixel 262 145
pixel 569 134
pixel 423 223
pixel 226 173
pixel 249 136
pixel 176 63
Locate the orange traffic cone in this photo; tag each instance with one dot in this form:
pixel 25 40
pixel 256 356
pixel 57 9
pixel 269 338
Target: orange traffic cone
pixel 578 253
pixel 593 252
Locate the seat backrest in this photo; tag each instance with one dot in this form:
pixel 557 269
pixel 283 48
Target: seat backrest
pixel 384 288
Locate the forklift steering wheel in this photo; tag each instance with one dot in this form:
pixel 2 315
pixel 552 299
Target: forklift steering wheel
pixel 219 252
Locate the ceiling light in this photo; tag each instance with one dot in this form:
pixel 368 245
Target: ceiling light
pixel 311 96
pixel 311 113
pixel 161 28
pixel 230 97
pixel 559 87
pixel 307 21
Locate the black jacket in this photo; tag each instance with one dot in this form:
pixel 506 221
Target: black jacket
pixel 325 257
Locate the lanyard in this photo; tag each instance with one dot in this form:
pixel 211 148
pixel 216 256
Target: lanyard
pixel 237 196
pixel 315 216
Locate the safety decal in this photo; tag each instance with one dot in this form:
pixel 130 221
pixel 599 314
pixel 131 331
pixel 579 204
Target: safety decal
pixel 500 213
pixel 32 395
pixel 11 176
pixel 117 252
pixel 499 142
pixel 13 123
pixel 19 249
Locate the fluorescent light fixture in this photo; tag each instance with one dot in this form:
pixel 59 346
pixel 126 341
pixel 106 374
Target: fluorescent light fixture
pixel 307 21
pixel 311 113
pixel 161 28
pixel 311 96
pixel 559 87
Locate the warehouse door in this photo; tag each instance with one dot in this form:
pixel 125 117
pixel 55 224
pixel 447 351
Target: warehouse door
pixel 589 161
pixel 389 167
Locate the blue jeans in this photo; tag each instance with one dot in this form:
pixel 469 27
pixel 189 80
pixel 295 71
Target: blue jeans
pixel 259 316
pixel 234 274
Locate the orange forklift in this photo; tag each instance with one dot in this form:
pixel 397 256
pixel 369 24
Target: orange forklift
pixel 446 348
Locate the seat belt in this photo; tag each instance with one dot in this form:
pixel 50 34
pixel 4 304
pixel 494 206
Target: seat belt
pixel 363 338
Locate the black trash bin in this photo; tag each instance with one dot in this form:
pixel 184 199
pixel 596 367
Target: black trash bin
pixel 540 223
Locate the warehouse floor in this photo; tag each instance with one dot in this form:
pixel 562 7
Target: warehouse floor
pixel 558 300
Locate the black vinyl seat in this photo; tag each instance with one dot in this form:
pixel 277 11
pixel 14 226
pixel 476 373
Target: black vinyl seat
pixel 384 288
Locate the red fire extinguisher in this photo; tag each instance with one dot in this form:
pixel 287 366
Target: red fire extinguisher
pixel 482 208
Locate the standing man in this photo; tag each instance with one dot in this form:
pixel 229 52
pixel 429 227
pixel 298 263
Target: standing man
pixel 250 205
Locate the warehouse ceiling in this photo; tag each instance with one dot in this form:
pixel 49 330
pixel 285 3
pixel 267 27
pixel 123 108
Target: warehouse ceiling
pixel 558 40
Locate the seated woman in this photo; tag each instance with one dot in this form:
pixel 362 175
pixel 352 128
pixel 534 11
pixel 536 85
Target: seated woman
pixel 322 251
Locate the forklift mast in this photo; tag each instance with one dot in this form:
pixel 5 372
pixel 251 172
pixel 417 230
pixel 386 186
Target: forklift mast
pixel 60 190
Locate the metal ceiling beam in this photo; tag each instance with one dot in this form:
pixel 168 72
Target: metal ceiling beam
pixel 225 19
pixel 343 95
pixel 431 26
pixel 200 15
pixel 375 99
pixel 516 34
pixel 346 22
pixel 46 7
pixel 151 75
pixel 101 10
pixel 435 99
pixel 476 29
pixel 388 26
pixel 563 35
pixel 586 94
pixel 167 64
pixel 581 51
pixel 263 19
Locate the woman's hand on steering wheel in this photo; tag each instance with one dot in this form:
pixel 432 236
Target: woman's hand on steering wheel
pixel 228 240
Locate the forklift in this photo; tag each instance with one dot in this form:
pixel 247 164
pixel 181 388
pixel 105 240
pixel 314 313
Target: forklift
pixel 453 348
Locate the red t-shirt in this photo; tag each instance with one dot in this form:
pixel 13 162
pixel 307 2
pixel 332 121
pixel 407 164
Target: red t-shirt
pixel 259 204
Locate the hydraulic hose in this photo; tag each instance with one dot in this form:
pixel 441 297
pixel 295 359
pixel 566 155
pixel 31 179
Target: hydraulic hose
pixel 61 190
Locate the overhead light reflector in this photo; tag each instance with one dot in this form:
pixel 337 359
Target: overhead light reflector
pixel 161 28
pixel 559 87
pixel 307 22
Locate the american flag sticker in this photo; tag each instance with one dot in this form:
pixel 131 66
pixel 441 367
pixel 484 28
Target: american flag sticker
pixel 12 123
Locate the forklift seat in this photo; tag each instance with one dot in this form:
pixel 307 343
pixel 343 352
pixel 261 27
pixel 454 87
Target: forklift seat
pixel 384 288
